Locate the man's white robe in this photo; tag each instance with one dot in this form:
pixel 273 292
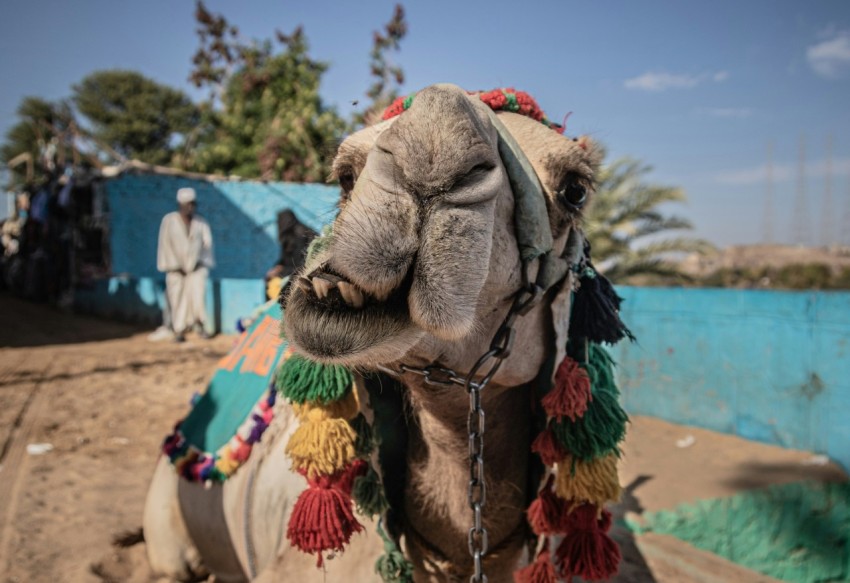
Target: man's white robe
pixel 185 255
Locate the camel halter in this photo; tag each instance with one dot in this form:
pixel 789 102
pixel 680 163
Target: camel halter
pixel 583 422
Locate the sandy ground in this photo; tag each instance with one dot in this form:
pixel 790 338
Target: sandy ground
pixel 104 397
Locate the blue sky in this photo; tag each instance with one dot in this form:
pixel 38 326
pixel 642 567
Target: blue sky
pixel 697 90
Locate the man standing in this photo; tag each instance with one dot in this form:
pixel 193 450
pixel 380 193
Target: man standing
pixel 185 255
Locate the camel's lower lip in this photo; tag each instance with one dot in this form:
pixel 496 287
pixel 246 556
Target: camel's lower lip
pixel 331 330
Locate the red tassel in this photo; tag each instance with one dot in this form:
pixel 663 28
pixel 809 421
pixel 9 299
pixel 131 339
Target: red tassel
pixel 548 448
pixel 547 513
pixel 540 571
pixel 346 480
pixel 571 393
pixel 323 516
pixel 587 551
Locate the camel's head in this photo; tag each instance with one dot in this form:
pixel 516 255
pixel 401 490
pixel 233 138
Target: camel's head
pixel 423 262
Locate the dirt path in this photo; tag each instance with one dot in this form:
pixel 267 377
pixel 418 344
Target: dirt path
pixel 104 397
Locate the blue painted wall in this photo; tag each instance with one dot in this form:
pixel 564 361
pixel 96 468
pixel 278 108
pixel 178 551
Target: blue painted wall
pixel 242 216
pixel 141 300
pixel 243 219
pixel 766 365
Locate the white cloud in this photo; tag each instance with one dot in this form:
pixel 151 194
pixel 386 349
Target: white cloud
pixel 660 81
pixel 728 112
pixel 782 172
pixel 831 57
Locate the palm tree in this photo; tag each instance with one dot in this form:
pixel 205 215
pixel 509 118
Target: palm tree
pixel 625 227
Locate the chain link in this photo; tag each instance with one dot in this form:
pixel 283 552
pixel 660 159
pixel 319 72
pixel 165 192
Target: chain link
pixel 500 349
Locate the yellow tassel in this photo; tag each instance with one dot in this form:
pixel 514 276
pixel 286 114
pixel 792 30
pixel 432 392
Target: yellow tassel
pixel 225 463
pixel 595 481
pixel 346 408
pixel 321 444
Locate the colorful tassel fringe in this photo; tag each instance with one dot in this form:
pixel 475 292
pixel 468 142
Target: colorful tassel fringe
pixel 548 448
pixel 571 393
pixel 321 444
pixel 587 551
pixel 540 571
pixel 301 381
pixel 323 517
pixel 546 514
pixel 597 433
pixel 593 481
pixel 596 309
pixel 392 566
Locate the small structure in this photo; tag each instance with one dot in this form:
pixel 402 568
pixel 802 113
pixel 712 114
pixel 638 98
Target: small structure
pixel 253 223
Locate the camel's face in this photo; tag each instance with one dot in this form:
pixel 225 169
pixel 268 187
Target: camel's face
pixel 423 252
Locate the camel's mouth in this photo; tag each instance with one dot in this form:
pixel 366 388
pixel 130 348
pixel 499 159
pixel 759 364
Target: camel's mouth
pixel 335 320
pixel 328 290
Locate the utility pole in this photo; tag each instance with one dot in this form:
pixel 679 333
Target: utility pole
pixel 826 219
pixel 800 223
pixel 767 220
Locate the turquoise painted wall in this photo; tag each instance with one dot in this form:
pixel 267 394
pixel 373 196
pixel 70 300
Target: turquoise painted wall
pixel 141 300
pixel 766 365
pixel 243 219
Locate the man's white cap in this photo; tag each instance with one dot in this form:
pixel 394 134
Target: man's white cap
pixel 185 195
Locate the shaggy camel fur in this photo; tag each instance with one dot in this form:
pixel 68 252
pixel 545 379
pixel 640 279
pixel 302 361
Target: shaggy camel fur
pixel 422 268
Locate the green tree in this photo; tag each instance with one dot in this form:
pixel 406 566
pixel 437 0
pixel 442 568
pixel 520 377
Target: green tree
pixel 388 76
pixel 627 229
pixel 135 116
pixel 266 118
pixel 45 130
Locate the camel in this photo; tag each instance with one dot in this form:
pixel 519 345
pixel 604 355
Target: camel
pixel 423 266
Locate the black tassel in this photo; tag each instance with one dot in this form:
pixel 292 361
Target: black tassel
pixel 596 307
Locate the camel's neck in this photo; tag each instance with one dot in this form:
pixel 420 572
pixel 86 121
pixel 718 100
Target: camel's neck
pixel 438 480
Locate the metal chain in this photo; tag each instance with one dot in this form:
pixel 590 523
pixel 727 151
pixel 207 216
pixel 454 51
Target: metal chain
pixel 433 374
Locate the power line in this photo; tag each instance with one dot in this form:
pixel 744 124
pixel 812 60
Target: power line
pixel 767 220
pixel 800 223
pixel 826 218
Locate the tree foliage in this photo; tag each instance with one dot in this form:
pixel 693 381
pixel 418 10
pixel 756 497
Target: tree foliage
pixel 266 117
pixel 388 76
pixel 44 129
pixel 628 231
pixel 135 116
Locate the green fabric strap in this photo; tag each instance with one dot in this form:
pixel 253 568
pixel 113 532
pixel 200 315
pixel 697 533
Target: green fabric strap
pixel 531 218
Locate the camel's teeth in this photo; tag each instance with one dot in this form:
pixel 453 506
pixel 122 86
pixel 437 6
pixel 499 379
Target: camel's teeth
pixel 351 294
pixel 321 287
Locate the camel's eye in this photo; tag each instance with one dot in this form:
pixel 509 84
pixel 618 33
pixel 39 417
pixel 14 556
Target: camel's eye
pixel 572 192
pixel 346 180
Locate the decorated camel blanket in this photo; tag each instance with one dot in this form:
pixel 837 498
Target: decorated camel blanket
pixel 231 415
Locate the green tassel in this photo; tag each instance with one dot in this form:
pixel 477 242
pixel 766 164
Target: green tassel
pixel 368 493
pixel 598 432
pixel 600 367
pixel 392 567
pixel 364 444
pixel 301 380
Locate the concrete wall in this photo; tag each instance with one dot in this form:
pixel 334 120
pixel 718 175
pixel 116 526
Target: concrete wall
pixel 766 365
